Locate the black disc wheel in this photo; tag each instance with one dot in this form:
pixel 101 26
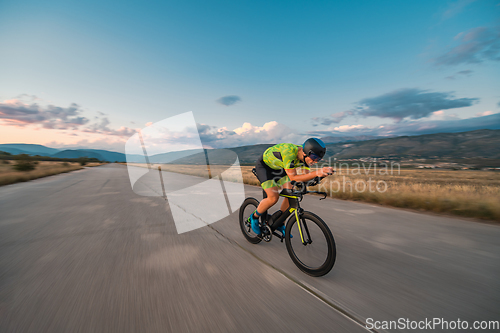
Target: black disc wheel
pixel 314 253
pixel 247 208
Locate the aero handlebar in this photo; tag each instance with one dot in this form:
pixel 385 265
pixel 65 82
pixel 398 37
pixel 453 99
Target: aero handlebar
pixel 302 186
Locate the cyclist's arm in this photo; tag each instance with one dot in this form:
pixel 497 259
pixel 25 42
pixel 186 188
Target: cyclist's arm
pixel 292 174
pixel 305 170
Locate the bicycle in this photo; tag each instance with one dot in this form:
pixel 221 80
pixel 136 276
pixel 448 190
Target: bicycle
pixel 315 260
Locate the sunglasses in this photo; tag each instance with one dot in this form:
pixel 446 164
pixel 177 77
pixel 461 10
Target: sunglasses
pixel 314 157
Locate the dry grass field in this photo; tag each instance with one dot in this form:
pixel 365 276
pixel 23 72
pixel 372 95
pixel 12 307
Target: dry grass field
pixel 43 169
pixel 460 192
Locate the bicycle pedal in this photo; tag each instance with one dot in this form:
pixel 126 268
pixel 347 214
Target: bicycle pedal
pixel 279 236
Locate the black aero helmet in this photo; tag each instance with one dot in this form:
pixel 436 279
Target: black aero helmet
pixel 314 148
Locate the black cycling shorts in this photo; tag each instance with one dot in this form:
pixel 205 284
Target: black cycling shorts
pixel 269 177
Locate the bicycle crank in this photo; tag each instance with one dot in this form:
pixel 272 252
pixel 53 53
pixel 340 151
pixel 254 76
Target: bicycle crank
pixel 267 234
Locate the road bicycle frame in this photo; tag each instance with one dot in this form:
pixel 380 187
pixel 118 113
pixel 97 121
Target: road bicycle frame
pixel 293 208
pixel 294 198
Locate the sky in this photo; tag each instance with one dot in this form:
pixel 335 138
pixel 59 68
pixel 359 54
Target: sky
pixel 92 73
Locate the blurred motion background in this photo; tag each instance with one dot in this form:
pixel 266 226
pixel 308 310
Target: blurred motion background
pixel 405 96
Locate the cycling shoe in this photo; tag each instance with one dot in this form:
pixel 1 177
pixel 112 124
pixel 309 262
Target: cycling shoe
pixel 282 230
pixel 255 224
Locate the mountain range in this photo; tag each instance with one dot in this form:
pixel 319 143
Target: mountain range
pixel 482 144
pixel 473 144
pixel 30 149
pixel 338 139
pixel 34 149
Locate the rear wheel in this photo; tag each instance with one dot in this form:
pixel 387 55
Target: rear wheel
pixel 247 208
pixel 315 254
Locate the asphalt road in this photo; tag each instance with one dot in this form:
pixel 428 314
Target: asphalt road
pixel 81 252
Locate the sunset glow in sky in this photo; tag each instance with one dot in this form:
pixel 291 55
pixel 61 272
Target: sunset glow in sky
pixel 90 74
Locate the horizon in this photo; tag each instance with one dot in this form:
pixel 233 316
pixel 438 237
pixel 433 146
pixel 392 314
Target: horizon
pixel 330 143
pixel 250 72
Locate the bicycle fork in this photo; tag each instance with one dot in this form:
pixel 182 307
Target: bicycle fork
pixel 302 225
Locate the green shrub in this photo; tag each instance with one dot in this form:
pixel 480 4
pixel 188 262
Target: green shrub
pixel 6 162
pixel 23 157
pixel 65 164
pixel 24 165
pixel 83 160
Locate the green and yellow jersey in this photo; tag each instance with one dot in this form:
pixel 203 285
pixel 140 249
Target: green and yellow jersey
pixel 270 169
pixel 282 156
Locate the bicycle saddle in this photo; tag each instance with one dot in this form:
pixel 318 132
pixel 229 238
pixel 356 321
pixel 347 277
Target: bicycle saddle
pixel 286 191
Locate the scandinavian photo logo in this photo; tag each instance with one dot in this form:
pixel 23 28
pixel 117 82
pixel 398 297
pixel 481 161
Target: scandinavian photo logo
pixel 167 159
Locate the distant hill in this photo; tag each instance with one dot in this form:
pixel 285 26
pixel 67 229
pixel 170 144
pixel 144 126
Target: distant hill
pixel 338 139
pixel 14 151
pixel 247 155
pixel 473 144
pixel 107 155
pixel 175 156
pixel 77 154
pixel 250 154
pixel 30 149
pixel 479 144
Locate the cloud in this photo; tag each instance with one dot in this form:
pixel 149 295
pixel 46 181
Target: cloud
pixel 248 134
pixel 409 103
pixel 334 118
pixel 467 72
pixel 349 128
pixel 485 113
pixel 26 98
pixel 98 127
pixel 110 143
pixel 322 120
pixel 400 104
pixel 440 115
pixel 102 128
pixel 475 46
pixel 416 127
pixel 204 128
pixel 15 112
pixel 455 8
pixel 229 100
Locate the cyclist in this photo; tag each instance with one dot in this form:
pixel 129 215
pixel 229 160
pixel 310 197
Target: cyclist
pixel 277 167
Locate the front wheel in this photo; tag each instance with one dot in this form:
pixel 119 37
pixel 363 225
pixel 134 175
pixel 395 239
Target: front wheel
pixel 247 208
pixel 314 253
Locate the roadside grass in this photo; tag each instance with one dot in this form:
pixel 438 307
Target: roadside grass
pixel 460 192
pixel 43 169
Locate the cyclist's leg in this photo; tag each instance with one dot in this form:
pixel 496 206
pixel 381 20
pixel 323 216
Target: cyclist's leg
pixel 279 178
pixel 266 203
pixel 271 200
pixel 268 180
pixel 285 183
pixel 285 204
